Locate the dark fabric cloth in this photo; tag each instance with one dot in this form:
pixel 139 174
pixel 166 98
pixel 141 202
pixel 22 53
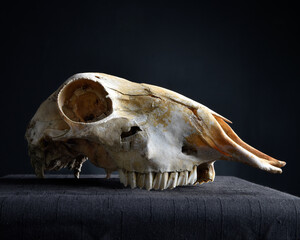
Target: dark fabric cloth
pixel 94 208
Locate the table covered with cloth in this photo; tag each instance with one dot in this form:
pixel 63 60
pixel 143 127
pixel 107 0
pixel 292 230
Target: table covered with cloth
pixel 60 207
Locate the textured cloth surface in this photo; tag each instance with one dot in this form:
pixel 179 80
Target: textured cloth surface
pixel 60 207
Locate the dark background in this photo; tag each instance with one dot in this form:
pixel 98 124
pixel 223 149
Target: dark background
pixel 240 59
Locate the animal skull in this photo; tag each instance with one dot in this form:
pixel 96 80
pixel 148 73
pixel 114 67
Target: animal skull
pixel 154 137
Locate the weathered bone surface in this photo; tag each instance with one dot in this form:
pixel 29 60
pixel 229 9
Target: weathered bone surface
pixel 155 138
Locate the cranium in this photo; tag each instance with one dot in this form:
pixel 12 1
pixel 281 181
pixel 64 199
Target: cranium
pixel 154 137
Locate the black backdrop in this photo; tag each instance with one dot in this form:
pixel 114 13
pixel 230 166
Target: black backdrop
pixel 240 59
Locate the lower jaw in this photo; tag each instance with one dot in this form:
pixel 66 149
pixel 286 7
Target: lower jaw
pixel 158 180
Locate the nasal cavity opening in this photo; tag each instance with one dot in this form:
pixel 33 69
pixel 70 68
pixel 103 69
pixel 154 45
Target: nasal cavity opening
pixel 84 100
pixel 133 130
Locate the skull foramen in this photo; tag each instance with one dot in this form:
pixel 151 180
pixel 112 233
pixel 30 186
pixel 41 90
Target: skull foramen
pixel 154 137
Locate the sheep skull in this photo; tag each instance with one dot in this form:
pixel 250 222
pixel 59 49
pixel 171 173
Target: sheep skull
pixel 154 137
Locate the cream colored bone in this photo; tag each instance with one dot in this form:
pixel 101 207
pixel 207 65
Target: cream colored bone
pixel 155 138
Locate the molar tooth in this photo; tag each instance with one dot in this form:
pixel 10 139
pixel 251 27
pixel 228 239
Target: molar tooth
pixel 186 177
pixel 172 182
pixel 123 176
pixel 157 181
pixel 193 176
pixel 149 177
pixel 132 179
pixel 141 180
pixel 164 180
pixel 181 179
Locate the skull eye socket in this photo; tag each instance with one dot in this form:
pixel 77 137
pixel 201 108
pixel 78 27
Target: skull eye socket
pixel 84 100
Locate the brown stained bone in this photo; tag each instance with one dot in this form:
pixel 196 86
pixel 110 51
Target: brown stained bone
pixel 205 173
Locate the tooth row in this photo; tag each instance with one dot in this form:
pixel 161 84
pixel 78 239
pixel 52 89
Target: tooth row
pixel 157 181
